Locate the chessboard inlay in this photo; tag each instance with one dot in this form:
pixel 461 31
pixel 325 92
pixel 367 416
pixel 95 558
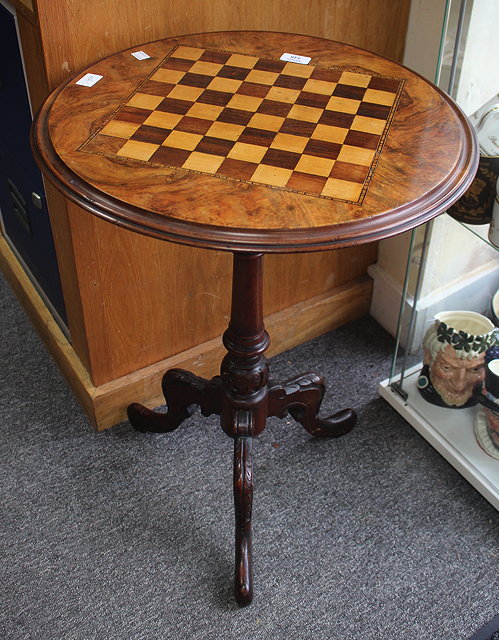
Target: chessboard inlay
pixel 304 128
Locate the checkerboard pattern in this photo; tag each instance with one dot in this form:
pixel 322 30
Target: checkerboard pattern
pixel 303 128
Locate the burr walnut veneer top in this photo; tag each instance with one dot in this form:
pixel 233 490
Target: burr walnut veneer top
pixel 213 140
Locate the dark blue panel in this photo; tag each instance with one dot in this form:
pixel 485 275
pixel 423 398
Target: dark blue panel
pixel 26 226
pixel 15 115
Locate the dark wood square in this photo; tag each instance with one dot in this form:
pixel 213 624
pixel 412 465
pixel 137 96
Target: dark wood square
pixel 257 136
pixel 274 108
pixel 215 146
pixel 372 110
pixel 219 98
pixel 290 82
pixel 337 119
pixel 275 66
pixel 234 73
pixel 306 182
pixel 329 75
pixel 171 105
pixel 133 114
pixel 196 80
pixel 235 116
pixel 238 169
pixel 219 57
pixel 170 156
pixel 297 127
pixel 283 159
pixel 362 139
pixel 384 84
pixel 349 91
pixel 193 125
pixel 155 135
pixel 309 99
pixel 322 149
pixel 253 89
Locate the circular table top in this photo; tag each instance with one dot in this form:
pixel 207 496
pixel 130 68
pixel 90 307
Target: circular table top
pixel 213 140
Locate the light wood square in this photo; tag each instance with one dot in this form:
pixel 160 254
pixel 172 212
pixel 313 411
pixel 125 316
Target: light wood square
pixel 247 152
pixel 356 155
pixel 145 101
pixel 205 68
pixel 239 60
pixel 386 98
pixel 204 111
pixel 281 94
pixel 137 150
pixel 171 76
pixel 225 130
pixel 342 189
pixel 289 142
pixel 182 140
pixel 275 176
pixel 266 122
pixel 355 79
pixel 261 77
pixel 188 53
pixel 315 165
pixel 329 133
pixel 120 129
pixel 226 85
pixel 203 162
pixel 245 103
pixel 368 125
pixel 320 86
pixel 163 119
pixel 308 114
pixel 299 70
pixel 182 92
pixel 344 105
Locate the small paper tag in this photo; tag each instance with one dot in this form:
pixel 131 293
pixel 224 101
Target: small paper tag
pixel 293 57
pixel 140 55
pixel 89 79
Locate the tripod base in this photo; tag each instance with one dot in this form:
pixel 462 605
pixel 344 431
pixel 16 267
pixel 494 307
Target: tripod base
pixel 244 398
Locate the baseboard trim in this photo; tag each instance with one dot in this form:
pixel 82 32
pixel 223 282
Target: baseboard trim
pixel 105 405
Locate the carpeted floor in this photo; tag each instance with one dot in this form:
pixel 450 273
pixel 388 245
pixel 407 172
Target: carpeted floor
pixel 124 536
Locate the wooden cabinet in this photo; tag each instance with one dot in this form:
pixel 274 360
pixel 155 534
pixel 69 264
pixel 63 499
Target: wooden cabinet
pixel 129 317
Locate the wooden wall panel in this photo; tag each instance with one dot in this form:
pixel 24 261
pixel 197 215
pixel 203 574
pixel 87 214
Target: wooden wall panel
pixel 146 300
pixel 78 33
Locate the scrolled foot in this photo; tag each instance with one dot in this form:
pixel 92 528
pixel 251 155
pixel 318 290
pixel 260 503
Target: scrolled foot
pixel 301 397
pixel 143 419
pixel 183 391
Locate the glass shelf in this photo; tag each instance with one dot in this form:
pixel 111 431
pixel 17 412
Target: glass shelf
pixel 450 431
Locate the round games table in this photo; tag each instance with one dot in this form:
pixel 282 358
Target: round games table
pixel 254 143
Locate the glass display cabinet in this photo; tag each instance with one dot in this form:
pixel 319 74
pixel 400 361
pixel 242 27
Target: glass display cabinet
pixel 452 265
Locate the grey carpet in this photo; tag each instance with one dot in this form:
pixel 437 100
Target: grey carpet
pixel 124 536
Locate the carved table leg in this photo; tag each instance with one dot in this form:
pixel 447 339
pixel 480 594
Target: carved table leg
pixel 243 502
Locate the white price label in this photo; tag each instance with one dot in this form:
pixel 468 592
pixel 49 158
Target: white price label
pixel 89 79
pixel 140 55
pixel 293 57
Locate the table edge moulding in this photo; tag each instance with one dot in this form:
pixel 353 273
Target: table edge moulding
pixel 403 152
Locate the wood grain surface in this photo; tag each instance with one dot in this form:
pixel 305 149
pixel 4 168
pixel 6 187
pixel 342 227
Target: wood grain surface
pixel 427 161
